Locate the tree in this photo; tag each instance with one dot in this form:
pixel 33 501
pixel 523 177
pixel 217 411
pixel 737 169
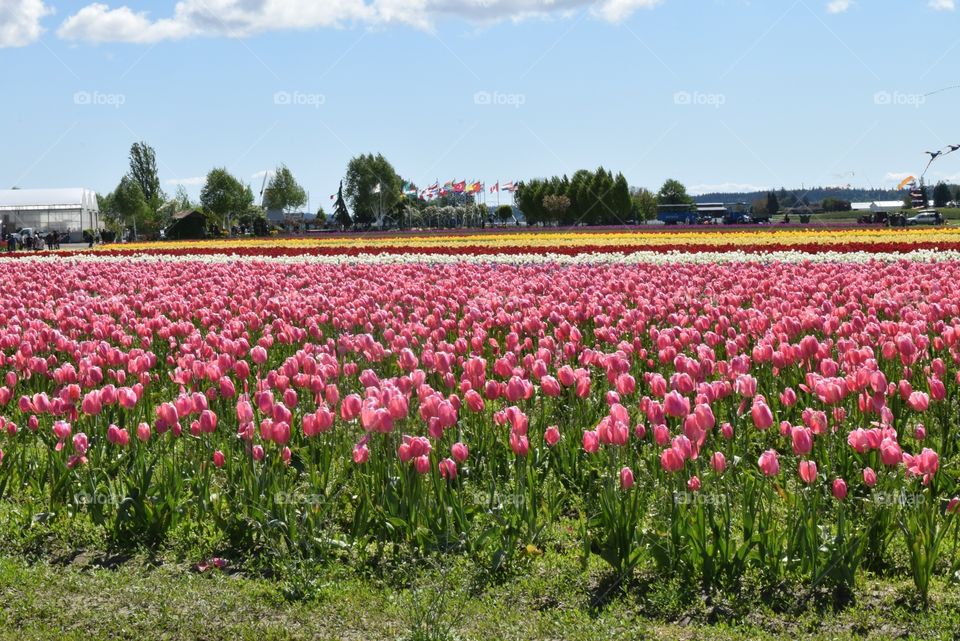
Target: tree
pixel 941 195
pixel 504 213
pixel 673 193
pixel 283 192
pixel 143 170
pixel 773 204
pixel 225 196
pixel 340 214
pixel 372 187
pixel 643 205
pixel 556 205
pixel 321 218
pixel 836 204
pixel 128 206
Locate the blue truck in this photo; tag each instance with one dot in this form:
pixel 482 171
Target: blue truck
pixel 708 214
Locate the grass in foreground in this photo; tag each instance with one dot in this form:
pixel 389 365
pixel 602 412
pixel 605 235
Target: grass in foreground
pixel 93 597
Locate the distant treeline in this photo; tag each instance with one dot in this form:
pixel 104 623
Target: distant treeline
pixel 811 195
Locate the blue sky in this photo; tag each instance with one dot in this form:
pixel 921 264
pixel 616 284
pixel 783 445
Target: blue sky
pixel 716 93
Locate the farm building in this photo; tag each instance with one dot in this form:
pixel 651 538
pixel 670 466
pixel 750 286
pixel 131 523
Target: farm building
pixel 66 211
pixel 878 205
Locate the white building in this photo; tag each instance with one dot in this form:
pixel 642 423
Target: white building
pixel 878 205
pixel 66 211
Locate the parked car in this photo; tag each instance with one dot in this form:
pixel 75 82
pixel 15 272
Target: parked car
pixel 926 217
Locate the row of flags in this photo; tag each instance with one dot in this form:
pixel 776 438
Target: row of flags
pixel 436 190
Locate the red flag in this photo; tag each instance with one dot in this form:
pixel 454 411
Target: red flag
pixel 496 187
pixel 460 186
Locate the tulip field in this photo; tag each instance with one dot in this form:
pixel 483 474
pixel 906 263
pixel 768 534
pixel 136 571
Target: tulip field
pixel 790 416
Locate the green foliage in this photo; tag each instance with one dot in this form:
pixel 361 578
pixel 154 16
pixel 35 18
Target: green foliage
pixel 340 214
pixel 643 204
pixel 835 204
pixel 364 174
pixel 673 192
pixel 504 213
pixel 773 204
pixel 225 196
pixel 941 195
pixel 143 170
pixel 283 192
pixel 590 198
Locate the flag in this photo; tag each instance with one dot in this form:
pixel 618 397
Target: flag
pixel 510 186
pixel 473 187
pixel 409 189
pixel 459 187
pixel 376 190
pixel 434 187
pixel 332 196
pixel 496 187
pixel 448 186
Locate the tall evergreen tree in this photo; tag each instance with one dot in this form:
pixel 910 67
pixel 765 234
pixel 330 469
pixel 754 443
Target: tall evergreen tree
pixel 340 213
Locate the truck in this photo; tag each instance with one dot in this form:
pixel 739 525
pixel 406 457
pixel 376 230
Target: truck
pixel 677 214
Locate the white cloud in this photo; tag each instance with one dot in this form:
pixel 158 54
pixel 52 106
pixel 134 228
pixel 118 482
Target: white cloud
pixel 727 188
pixel 193 181
pixel 20 21
pixel 264 172
pixel 99 22
pixel 943 5
pixel 839 6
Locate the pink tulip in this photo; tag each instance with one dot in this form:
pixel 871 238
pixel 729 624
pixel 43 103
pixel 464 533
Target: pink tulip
pixel 869 477
pixel 918 401
pixel 519 444
pixel 626 478
pixel 761 414
pixel 802 439
pixel 769 463
pixel 676 405
pixel 552 435
pixel 448 469
pixel 143 432
pixel 80 443
pixel 671 460
pixel 718 462
pixel 591 442
pixel 890 452
pixel 808 471
pixel 459 452
pixel 259 355
pixel 219 460
pixel 839 489
pixel 693 484
pixel 258 453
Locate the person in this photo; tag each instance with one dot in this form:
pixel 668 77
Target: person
pixel 11 243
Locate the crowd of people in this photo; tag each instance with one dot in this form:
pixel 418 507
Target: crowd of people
pixel 34 241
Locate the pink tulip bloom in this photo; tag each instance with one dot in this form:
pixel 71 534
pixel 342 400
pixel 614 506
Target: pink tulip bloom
pixel 761 414
pixel 626 478
pixel 918 401
pixel 459 452
pixel 890 452
pixel 928 462
pixel 671 460
pixel 208 422
pixel 258 453
pixel 718 462
pixel 676 405
pixel 552 435
pixel 143 432
pixel 693 484
pixel 808 471
pixel 519 444
pixel 802 439
pixel 259 355
pixel 448 469
pixel 591 442
pixel 769 463
pixel 869 477
pixel 422 464
pixel 839 489
pixel 219 460
pixel 726 430
pixel 80 443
